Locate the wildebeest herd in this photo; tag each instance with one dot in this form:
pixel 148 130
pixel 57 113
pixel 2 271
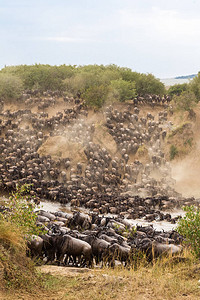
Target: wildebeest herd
pixel 79 239
pixel 117 183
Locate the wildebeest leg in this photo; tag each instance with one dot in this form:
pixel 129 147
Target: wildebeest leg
pixel 83 262
pixel 74 260
pixel 66 260
pixel 96 259
pixel 60 258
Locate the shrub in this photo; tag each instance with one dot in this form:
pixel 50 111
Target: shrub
pixel 10 86
pixel 96 96
pixel 189 142
pixel 148 84
pixel 21 211
pixel 73 79
pixel 194 86
pixel 173 152
pixel 177 89
pixel 185 102
pixel 125 90
pixel 189 227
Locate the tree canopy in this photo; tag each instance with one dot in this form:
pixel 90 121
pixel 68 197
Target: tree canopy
pixel 120 82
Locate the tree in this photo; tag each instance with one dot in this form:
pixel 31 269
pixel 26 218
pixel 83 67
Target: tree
pixel 189 227
pixel 194 86
pixel 96 96
pixel 177 89
pixel 124 90
pixel 148 84
pixel 77 79
pixel 185 102
pixel 10 86
pixel 42 77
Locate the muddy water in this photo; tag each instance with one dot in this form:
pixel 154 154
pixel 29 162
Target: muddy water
pixel 158 225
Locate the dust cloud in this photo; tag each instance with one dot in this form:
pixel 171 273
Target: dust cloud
pixel 186 172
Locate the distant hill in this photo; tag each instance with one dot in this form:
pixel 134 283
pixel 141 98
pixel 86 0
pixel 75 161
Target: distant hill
pixel 186 76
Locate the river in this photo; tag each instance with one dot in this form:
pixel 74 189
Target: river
pixel 172 81
pixel 158 225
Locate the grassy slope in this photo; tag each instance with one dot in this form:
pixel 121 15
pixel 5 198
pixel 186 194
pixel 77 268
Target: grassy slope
pixel 17 271
pixel 161 281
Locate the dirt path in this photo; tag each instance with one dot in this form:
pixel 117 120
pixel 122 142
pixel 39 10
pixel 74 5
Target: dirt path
pixel 63 271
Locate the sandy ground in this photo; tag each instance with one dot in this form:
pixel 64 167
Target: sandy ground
pixel 62 271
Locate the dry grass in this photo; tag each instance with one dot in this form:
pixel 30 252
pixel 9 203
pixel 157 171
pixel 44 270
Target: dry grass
pixel 17 271
pixel 10 236
pixel 169 278
pixel 155 282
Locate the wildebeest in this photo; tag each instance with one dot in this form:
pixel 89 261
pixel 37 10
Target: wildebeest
pixel 70 246
pixel 118 252
pixel 35 246
pixel 154 249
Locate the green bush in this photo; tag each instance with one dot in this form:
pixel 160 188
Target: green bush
pixel 177 89
pixel 194 86
pixel 10 87
pixel 21 211
pixel 189 227
pixel 124 83
pixel 96 96
pixel 124 90
pixel 41 77
pixel 148 84
pixel 185 102
pixel 173 152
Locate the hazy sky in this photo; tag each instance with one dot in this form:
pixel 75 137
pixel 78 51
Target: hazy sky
pixel 150 36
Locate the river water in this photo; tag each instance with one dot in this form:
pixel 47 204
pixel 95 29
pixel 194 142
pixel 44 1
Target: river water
pixel 158 225
pixel 173 81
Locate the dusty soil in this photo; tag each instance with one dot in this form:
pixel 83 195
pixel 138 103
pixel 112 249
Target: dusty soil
pixel 63 271
pixel 61 147
pixel 186 169
pixel 104 139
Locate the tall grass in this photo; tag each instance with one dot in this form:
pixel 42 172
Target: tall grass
pixel 17 270
pixel 11 236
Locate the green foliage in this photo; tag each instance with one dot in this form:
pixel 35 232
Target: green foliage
pixel 148 84
pixel 189 227
pixel 96 96
pixel 10 87
pixel 142 151
pixel 173 152
pixel 185 102
pixel 194 86
pixel 124 90
pixel 21 211
pixel 188 142
pixel 180 129
pixel 120 83
pixel 177 89
pixel 41 77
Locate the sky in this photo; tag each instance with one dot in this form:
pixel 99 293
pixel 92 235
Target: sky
pixel 161 37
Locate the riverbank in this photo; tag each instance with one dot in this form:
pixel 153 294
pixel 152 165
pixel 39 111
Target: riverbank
pixel 164 280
